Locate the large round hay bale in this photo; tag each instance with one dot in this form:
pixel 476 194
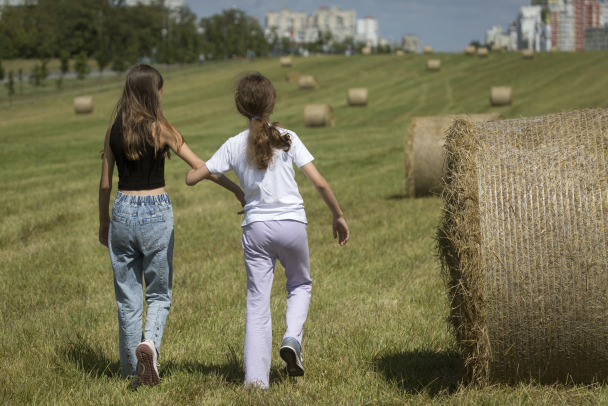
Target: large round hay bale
pixel 83 104
pixel 357 96
pixel 482 52
pixel 400 52
pixel 523 243
pixel 527 54
pixel 470 50
pixel 293 77
pixel 427 49
pixel 501 95
pixel 308 82
pixel 424 162
pixel 286 61
pixel 433 64
pixel 366 50
pixel 318 115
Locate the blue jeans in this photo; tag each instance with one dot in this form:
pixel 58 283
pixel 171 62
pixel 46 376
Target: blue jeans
pixel 141 246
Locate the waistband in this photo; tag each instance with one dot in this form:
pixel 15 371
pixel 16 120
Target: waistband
pixel 134 200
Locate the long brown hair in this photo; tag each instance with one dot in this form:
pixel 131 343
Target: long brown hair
pixel 139 115
pixel 254 98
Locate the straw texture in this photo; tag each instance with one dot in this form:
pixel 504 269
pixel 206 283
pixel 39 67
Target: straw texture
pixel 424 161
pixel 523 245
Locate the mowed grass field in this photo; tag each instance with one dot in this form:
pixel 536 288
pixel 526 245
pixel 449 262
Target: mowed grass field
pixel 376 331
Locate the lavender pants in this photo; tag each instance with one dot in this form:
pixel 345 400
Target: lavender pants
pixel 263 243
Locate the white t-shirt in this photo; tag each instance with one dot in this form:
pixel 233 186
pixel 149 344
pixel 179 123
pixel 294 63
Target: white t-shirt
pixel 271 194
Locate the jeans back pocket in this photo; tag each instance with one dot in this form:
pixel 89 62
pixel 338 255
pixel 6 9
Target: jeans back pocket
pixel 156 230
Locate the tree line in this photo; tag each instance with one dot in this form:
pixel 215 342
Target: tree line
pixel 117 35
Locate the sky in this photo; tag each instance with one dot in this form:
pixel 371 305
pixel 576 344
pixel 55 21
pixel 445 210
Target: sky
pixel 446 25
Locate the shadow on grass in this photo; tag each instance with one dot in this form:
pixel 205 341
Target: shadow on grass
pixel 397 197
pixel 89 359
pixel 92 361
pixel 418 371
pixel 232 371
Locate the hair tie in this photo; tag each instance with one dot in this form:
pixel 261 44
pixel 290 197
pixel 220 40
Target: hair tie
pixel 254 117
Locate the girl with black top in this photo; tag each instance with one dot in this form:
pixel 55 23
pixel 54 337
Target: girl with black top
pixel 140 233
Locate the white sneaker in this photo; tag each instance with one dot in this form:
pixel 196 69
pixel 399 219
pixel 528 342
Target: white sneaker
pixel 147 372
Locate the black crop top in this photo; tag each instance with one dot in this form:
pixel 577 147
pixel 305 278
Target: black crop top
pixel 148 172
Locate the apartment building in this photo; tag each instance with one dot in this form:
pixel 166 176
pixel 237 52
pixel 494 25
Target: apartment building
pixel 367 31
pixel 170 4
pixel 302 28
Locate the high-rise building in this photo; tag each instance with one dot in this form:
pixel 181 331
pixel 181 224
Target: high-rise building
pixel 341 23
pixel 367 31
pixel 170 4
pixel 302 28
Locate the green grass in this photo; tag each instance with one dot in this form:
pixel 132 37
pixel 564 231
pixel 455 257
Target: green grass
pixel 376 332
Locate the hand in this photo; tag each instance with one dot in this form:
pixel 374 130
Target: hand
pixel 240 195
pixel 340 229
pixel 104 230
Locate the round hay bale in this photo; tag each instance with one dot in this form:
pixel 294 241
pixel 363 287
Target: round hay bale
pixel 424 162
pixel 293 77
pixel 366 50
pixel 501 95
pixel 308 82
pixel 523 244
pixel 318 115
pixel 497 48
pixel 482 52
pixel 433 64
pixel 400 52
pixel 470 50
pixel 527 54
pixel 357 96
pixel 83 104
pixel 427 49
pixel 286 61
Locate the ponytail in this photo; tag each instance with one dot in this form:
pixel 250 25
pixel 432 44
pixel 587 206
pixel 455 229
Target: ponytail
pixel 254 99
pixel 264 138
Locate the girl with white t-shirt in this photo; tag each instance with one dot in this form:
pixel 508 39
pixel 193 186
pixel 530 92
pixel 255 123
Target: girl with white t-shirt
pixel 274 225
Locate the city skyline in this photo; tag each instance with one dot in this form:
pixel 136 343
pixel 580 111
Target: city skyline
pixel 446 25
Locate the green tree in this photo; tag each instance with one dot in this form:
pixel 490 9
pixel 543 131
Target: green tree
pixel 233 33
pixel 64 60
pixel 81 66
pixel 10 85
pixel 1 70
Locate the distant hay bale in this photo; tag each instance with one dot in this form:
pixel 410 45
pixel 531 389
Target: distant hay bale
pixel 527 54
pixel 427 49
pixel 501 95
pixel 308 82
pixel 400 52
pixel 83 104
pixel 357 96
pixel 366 50
pixel 497 48
pixel 470 50
pixel 482 52
pixel 293 76
pixel 286 61
pixel 523 244
pixel 433 64
pixel 318 115
pixel 424 162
